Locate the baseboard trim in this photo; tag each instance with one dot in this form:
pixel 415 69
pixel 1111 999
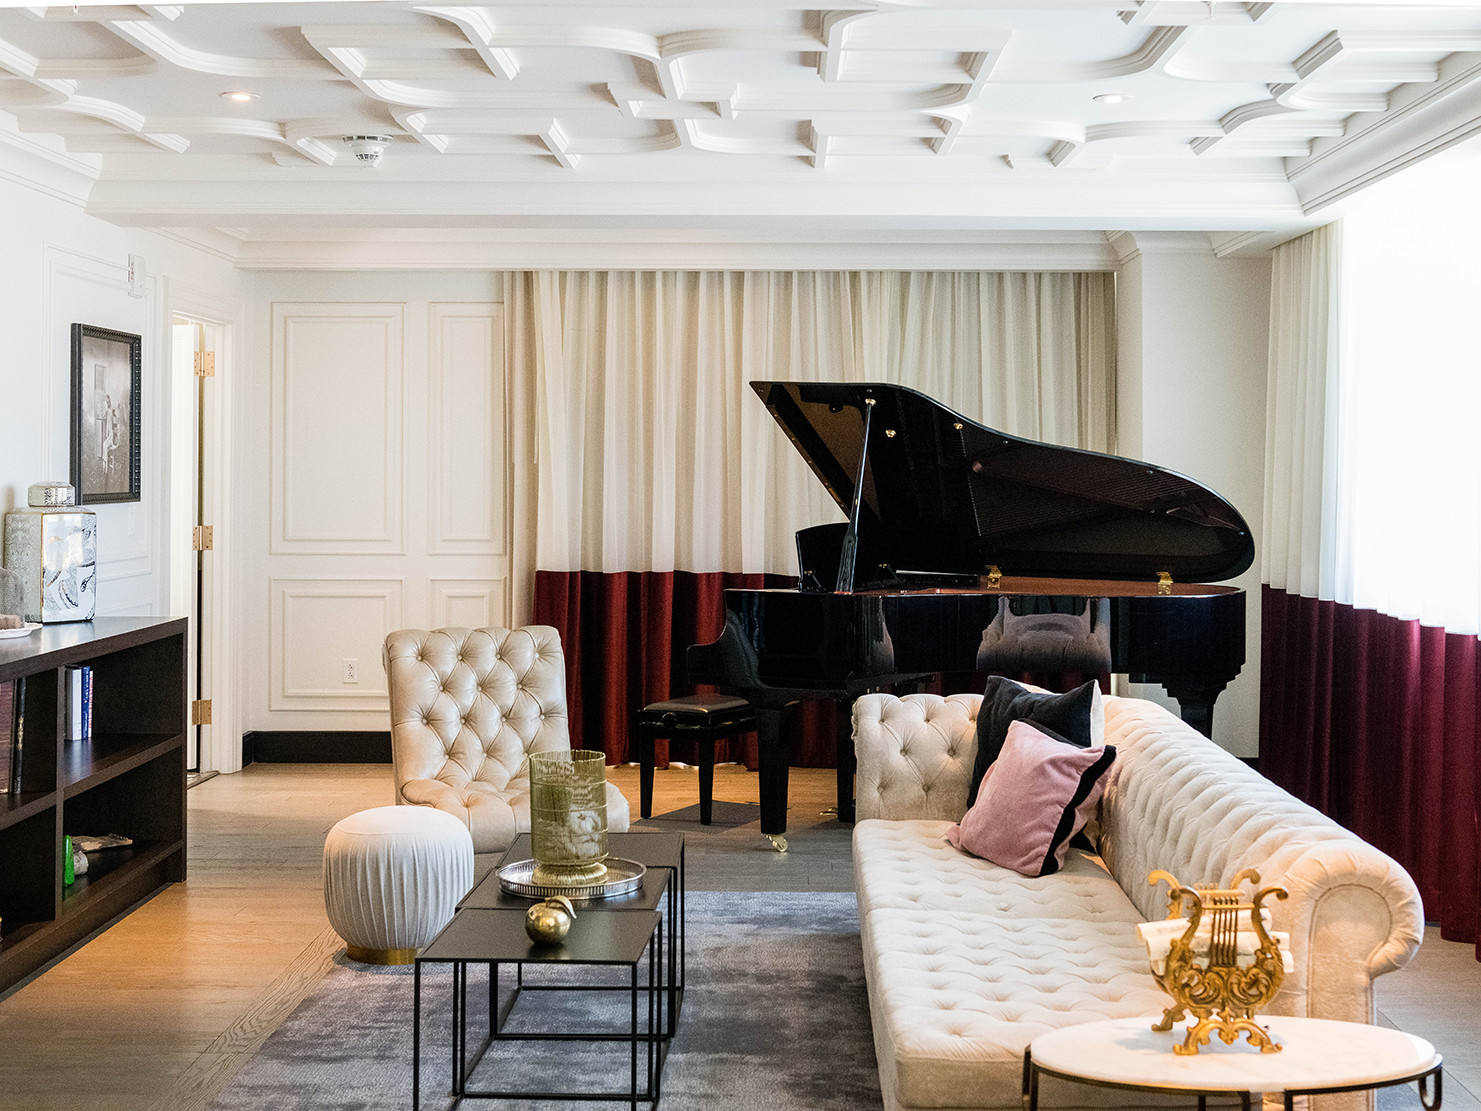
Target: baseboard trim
pixel 311 746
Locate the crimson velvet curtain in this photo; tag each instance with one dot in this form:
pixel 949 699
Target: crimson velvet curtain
pixel 1374 720
pixel 625 635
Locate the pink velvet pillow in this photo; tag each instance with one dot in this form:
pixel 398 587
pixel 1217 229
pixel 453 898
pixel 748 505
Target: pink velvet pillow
pixel 1033 799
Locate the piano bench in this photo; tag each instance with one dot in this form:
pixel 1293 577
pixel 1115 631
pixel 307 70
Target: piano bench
pixel 702 718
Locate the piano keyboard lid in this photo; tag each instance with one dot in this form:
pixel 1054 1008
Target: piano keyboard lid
pixel 944 494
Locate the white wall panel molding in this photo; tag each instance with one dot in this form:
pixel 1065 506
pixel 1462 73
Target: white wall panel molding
pixel 467 603
pixel 318 623
pixel 466 465
pixel 339 428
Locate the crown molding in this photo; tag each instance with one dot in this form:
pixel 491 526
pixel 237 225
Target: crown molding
pixel 1423 120
pixel 1131 245
pixel 1256 244
pixel 222 243
pixel 44 165
pixel 638 250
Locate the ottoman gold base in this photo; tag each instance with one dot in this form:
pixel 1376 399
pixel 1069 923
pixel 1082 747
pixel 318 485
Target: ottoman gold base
pixel 380 956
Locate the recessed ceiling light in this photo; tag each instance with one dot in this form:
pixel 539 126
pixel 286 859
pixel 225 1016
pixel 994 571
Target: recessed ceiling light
pixel 239 98
pixel 1113 98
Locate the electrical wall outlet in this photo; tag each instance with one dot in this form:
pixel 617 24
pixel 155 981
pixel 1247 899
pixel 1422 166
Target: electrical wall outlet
pixel 352 671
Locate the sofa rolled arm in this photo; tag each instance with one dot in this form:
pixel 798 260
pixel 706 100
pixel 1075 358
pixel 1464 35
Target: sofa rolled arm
pixel 1353 914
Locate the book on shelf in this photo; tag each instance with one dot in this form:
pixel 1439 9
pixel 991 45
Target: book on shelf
pixel 7 729
pixel 12 740
pixel 79 702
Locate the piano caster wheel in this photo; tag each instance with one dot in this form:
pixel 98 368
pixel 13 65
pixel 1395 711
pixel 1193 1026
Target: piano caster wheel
pixel 833 810
pixel 778 841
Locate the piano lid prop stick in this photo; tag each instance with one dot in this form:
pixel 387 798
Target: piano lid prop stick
pixel 850 551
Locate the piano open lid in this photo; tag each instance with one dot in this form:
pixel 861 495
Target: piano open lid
pixel 944 494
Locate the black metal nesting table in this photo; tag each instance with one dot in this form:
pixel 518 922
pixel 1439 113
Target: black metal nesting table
pixel 630 931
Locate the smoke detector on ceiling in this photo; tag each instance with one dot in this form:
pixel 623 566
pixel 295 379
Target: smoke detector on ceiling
pixel 368 149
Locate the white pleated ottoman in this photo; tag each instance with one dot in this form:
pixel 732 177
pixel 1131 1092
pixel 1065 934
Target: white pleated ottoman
pixel 392 877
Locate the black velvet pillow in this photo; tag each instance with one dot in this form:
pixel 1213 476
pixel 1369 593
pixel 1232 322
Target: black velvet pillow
pixel 1068 717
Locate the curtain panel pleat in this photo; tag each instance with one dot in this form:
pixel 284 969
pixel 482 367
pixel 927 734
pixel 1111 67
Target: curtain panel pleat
pixel 659 477
pixel 655 455
pixel 1373 720
pixel 1369 712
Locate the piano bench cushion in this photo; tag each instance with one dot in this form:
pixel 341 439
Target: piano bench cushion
pixel 1034 797
pixel 1077 717
pixel 714 714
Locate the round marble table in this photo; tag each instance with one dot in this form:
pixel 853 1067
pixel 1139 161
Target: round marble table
pixel 1319 1056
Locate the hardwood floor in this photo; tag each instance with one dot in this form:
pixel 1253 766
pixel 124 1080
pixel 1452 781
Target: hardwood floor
pixel 159 1011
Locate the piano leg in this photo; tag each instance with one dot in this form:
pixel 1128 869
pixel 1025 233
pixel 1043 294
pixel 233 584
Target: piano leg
pixel 775 753
pixel 1195 702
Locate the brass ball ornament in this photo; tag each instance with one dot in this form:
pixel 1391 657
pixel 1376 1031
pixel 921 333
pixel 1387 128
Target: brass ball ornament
pixel 548 922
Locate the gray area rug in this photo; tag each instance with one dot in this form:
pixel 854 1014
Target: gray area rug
pixel 775 1018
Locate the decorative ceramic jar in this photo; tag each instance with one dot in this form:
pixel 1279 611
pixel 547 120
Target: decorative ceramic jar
pixel 12 598
pixel 568 816
pixel 52 545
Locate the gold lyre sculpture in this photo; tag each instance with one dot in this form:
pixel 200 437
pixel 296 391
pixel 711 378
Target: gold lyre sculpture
pixel 1221 994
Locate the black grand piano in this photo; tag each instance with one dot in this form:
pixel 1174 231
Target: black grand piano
pixel 969 550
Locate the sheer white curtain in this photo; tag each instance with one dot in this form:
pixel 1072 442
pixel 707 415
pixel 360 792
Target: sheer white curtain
pixel 1301 417
pixel 653 453
pixel 1373 485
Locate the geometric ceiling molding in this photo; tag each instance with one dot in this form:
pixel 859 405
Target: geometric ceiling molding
pixel 928 112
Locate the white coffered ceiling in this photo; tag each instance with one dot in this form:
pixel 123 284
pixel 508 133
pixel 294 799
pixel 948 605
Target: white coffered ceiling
pixel 763 118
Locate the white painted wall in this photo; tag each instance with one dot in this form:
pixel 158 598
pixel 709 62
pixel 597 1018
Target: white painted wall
pixel 377 484
pixel 60 267
pixel 1192 356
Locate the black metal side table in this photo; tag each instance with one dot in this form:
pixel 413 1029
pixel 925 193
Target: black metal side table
pixel 662 890
pixel 630 939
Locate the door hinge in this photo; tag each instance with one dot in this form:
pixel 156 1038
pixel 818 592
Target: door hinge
pixel 205 364
pixel 200 712
pixel 203 538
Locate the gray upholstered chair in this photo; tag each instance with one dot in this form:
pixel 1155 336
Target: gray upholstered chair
pixel 468 706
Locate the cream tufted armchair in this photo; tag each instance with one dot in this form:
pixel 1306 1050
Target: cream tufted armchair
pixel 468 706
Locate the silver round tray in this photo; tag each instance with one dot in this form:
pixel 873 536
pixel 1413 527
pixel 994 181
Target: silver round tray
pixel 623 876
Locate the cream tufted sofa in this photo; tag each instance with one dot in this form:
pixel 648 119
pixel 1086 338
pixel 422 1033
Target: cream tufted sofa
pixel 966 962
pixel 468 706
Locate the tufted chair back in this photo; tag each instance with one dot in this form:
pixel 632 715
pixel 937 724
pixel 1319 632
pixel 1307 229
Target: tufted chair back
pixel 468 706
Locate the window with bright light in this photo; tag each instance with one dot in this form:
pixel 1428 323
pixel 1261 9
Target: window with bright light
pixel 1409 445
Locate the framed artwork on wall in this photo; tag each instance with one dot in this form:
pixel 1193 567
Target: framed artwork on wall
pixel 105 415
